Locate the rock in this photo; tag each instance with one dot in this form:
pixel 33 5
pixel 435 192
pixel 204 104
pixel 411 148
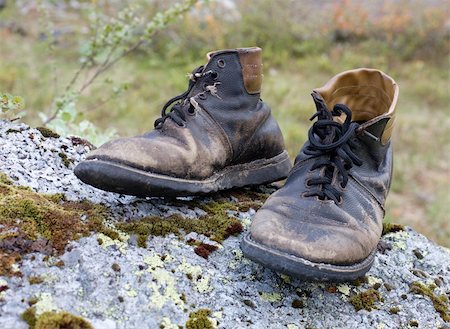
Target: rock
pixel 117 284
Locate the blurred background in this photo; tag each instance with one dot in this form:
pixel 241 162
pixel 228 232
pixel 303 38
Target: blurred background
pixel 101 69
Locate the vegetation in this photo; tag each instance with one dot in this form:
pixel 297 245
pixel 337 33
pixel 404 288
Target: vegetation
pixel 45 45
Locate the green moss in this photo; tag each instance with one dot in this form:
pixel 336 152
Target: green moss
pixel 52 320
pixel 35 279
pixel 199 320
pixel 360 281
pixel 29 316
pixel 441 303
pixel 392 228
pixel 394 310
pixel 46 132
pixel 48 220
pixel 365 300
pixel 217 224
pixel 65 159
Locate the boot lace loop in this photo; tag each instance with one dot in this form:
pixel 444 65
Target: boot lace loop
pixel 331 143
pixel 176 113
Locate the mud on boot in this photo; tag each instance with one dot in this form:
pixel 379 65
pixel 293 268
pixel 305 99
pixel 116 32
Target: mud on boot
pixel 325 223
pixel 217 135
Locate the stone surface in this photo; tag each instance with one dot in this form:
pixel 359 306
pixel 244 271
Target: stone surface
pixel 159 286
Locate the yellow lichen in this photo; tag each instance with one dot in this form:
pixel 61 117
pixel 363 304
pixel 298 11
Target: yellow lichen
pixel 270 296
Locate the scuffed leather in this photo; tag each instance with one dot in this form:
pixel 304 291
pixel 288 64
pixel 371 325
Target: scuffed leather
pixel 321 230
pixel 229 126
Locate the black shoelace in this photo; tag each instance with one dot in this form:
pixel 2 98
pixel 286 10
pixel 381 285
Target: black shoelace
pixel 176 113
pixel 331 145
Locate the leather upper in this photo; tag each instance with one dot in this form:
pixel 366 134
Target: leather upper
pixel 225 124
pixel 325 231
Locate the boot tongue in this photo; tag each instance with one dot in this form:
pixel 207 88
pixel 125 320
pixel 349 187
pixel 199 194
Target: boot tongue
pixel 321 106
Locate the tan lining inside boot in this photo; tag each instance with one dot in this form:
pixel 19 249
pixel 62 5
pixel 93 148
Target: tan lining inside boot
pixel 370 94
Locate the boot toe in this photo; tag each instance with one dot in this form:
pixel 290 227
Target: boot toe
pixel 304 233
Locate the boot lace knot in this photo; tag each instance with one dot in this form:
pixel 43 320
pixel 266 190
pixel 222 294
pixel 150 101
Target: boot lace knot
pixel 176 112
pixel 331 144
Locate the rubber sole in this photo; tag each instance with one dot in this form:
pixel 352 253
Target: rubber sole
pixel 302 268
pixel 124 179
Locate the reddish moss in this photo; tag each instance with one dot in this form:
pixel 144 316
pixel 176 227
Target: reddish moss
pixel 204 250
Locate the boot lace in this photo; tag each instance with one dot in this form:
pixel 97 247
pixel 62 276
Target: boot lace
pixel 176 112
pixel 330 143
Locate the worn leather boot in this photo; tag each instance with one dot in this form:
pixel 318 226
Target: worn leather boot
pixel 325 223
pixel 218 135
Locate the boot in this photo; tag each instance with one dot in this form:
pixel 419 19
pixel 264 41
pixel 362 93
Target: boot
pixel 217 135
pixel 325 223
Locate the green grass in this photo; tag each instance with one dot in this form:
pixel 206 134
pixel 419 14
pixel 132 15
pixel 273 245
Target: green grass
pixel 420 190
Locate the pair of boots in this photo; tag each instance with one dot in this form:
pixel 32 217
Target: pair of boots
pixel 326 221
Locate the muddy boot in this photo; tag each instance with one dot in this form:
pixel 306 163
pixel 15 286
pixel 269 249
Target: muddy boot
pixel 325 223
pixel 217 135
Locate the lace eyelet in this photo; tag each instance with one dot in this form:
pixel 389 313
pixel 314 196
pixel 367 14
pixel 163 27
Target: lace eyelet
pixel 202 96
pixel 221 63
pixel 214 75
pixel 191 110
pixel 205 85
pixel 307 183
pixel 342 185
pixel 183 125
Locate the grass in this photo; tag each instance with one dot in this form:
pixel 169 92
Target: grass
pixel 420 191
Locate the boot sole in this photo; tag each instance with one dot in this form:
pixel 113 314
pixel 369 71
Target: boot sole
pixel 124 179
pixel 302 268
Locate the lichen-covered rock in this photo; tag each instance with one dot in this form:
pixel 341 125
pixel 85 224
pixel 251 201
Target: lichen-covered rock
pixel 151 275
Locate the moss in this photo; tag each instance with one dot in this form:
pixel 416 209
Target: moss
pixel 394 310
pixel 418 254
pixel 46 132
pixel 199 320
pixel 376 285
pixel 392 228
pixel 441 303
pixel 204 250
pixel 360 281
pixel 35 279
pixel 29 316
pixel 297 303
pixel 34 222
pixel 65 159
pixel 388 286
pixel 217 224
pixel 52 320
pixel 249 303
pixel 365 300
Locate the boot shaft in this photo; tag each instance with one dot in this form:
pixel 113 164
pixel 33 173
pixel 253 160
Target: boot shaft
pixel 370 94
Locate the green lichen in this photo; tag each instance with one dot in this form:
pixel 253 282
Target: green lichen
pixel 199 320
pixel 441 303
pixel 217 224
pixel 54 320
pixel 366 300
pixel 392 228
pixel 46 132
